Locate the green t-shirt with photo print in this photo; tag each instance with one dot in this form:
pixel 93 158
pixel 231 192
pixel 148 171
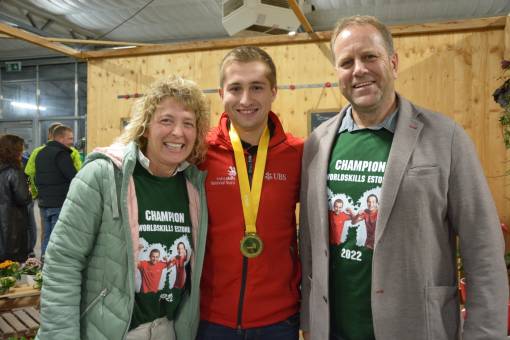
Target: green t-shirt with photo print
pixel 165 245
pixel 355 174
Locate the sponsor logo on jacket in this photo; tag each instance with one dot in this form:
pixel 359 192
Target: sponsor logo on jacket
pixel 231 174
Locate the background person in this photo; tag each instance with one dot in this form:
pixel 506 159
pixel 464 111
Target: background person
pixel 14 201
pixel 111 216
pixel 30 165
pixel 53 176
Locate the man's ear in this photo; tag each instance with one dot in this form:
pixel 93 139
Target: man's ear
pixel 394 64
pixel 274 91
pixel 220 92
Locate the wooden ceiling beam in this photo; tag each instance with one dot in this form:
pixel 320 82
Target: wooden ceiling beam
pixel 98 42
pixel 86 41
pixel 208 45
pixel 449 26
pixel 301 16
pixel 38 40
pixel 300 38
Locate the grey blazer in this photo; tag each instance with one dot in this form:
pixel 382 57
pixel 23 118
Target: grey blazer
pixel 433 189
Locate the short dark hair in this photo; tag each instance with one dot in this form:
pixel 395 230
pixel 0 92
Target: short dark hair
pixel 61 130
pixel 373 195
pixel 155 250
pixel 246 54
pixel 52 127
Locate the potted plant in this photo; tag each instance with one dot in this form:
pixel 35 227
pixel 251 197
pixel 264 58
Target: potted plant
pixel 9 273
pixel 502 97
pixel 30 269
pixel 38 280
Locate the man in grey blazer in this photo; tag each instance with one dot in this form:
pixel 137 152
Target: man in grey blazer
pixel 398 281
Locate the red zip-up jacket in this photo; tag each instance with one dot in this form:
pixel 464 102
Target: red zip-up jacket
pixel 264 290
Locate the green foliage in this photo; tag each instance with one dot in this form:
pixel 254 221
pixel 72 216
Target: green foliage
pixel 502 97
pixel 505 123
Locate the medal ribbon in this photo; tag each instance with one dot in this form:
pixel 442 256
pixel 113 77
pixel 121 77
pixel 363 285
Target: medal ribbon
pixel 250 198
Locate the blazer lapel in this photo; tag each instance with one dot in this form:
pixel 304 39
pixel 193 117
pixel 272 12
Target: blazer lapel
pixel 404 141
pixel 326 136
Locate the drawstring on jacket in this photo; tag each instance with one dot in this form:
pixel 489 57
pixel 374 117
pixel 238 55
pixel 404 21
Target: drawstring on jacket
pixel 113 191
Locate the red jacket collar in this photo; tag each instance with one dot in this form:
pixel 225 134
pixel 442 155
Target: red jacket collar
pixel 219 135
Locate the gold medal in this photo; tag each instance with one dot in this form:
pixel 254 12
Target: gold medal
pixel 251 245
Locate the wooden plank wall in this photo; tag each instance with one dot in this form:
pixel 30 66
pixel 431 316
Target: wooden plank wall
pixel 454 73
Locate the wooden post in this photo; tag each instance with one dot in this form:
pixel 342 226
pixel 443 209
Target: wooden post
pixel 507 38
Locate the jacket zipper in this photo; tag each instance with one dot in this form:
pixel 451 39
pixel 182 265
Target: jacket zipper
pixel 249 168
pixel 101 295
pixel 241 294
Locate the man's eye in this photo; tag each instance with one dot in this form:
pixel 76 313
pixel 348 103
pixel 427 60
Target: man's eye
pixel 346 64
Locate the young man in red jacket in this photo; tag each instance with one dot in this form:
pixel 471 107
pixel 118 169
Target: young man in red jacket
pixel 251 276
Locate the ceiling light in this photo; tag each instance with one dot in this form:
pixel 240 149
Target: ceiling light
pixel 28 106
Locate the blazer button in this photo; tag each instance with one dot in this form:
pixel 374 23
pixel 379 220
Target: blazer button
pixel 325 299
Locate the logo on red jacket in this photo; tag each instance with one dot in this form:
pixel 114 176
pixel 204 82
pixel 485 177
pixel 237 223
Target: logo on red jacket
pixel 229 179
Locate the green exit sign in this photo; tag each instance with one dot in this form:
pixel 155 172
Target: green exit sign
pixel 13 66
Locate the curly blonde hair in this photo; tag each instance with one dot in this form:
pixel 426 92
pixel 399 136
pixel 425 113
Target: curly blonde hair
pixel 184 92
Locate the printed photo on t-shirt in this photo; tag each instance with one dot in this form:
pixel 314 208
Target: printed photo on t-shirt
pixel 159 266
pixel 354 220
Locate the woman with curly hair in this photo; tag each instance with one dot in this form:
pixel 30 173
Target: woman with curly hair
pixel 129 205
pixel 14 201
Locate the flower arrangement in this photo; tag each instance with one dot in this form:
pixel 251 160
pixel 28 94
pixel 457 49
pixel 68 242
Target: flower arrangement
pixel 9 273
pixel 6 282
pixel 38 280
pixel 9 268
pixel 502 97
pixel 32 266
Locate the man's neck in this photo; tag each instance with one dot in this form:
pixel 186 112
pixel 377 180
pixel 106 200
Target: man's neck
pixel 251 136
pixel 59 142
pixel 364 119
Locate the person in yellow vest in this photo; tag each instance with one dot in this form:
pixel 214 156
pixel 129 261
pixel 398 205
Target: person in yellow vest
pixel 30 169
pixel 30 166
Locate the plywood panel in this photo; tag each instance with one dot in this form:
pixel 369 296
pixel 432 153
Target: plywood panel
pixel 453 73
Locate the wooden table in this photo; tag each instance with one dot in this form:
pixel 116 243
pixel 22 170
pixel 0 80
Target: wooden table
pixel 18 312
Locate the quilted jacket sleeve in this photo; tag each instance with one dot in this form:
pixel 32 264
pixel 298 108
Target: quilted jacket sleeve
pixel 66 257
